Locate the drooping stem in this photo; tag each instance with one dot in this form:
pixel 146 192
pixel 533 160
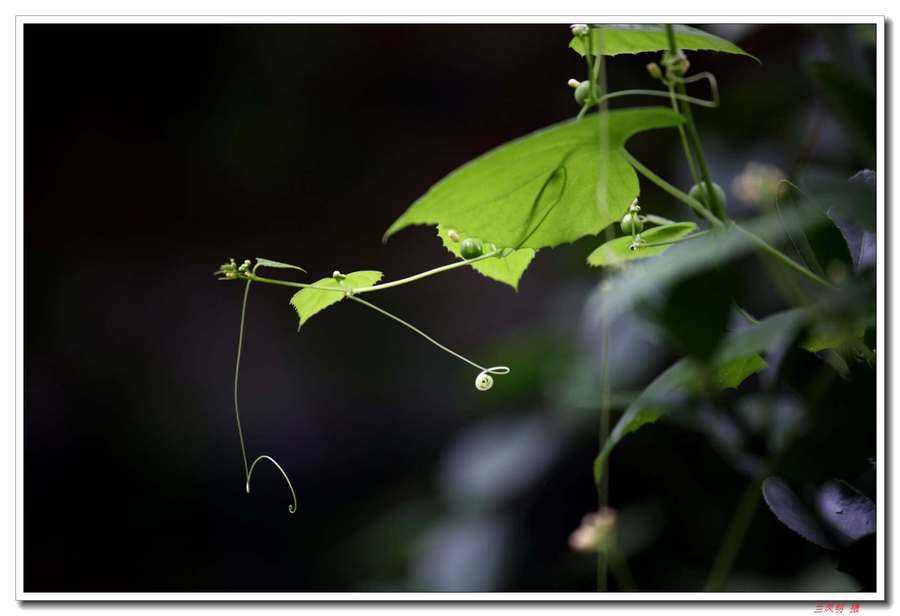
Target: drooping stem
pixel 693 135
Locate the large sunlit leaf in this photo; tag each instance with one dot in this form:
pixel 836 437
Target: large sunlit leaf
pixel 309 301
pixel 551 187
pixel 508 269
pixel 737 358
pixel 637 38
pixel 618 251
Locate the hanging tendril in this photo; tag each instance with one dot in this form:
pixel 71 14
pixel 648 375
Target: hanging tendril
pixel 248 470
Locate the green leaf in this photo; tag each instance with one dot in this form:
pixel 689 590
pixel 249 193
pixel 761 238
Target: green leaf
pixel 310 301
pixel 618 251
pixel 828 336
pixel 262 262
pixel 737 358
pixel 543 189
pixel 508 269
pixel 821 248
pixel 648 278
pixel 639 38
pixel 731 374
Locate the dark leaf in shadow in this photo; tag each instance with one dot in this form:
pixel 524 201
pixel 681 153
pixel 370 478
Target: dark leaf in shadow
pixel 794 513
pixel 848 512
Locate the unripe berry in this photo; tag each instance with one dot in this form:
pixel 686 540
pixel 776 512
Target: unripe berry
pixel 471 248
pixel 631 224
pixel 698 192
pixel 584 92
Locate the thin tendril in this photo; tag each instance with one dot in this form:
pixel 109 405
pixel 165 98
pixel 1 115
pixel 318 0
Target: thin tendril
pixel 248 471
pixel 291 508
pixel 492 370
pixel 711 103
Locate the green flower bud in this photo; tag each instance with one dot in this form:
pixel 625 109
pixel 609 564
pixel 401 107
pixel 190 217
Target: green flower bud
pixel 631 224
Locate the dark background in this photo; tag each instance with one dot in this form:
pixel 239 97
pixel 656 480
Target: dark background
pixel 154 152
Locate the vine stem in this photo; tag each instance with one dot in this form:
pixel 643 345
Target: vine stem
pixel 377 287
pixel 700 209
pixel 693 135
pixel 351 294
pixel 431 272
pixel 681 196
pixel 684 142
pixel 598 77
pixel 783 258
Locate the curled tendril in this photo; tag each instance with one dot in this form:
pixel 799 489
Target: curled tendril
pixel 291 508
pixel 248 471
pixel 484 381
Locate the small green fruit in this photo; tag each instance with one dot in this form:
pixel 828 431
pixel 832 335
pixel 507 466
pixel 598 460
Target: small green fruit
pixel 698 192
pixel 471 248
pixel 631 224
pixel 584 92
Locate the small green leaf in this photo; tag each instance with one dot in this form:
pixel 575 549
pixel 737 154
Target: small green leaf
pixel 543 189
pixel 262 262
pixel 638 38
pixel 731 374
pixel 618 251
pixel 737 358
pixel 310 301
pixel 827 336
pixel 508 269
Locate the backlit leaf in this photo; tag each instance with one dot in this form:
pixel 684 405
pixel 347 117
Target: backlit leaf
pixel 309 301
pixel 638 38
pixel 551 187
pixel 262 262
pixel 618 251
pixel 508 269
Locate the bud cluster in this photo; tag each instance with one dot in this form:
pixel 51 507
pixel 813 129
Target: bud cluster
pixel 231 270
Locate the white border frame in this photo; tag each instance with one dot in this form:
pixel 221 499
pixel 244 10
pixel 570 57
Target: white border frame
pixel 882 231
